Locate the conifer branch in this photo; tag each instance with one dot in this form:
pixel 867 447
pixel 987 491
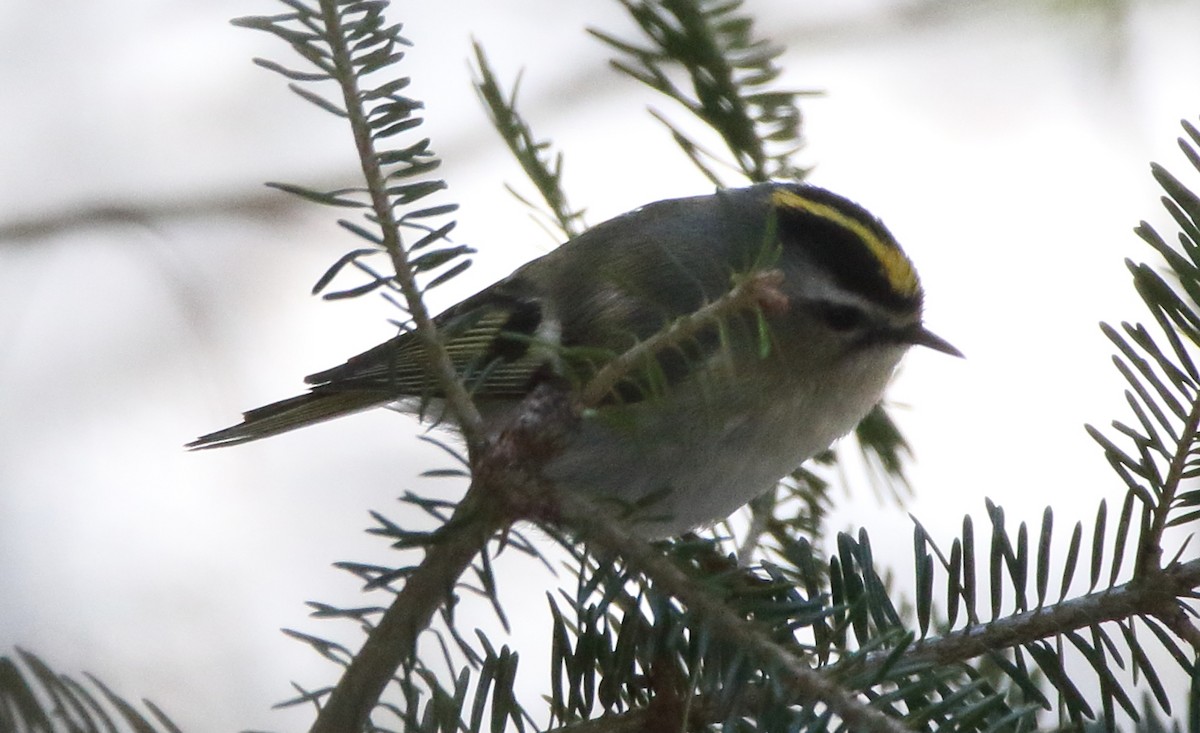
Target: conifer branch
pixel 383 207
pixel 809 685
pixel 393 640
pixel 506 486
pixel 1158 599
pixel 1140 597
pixel 542 170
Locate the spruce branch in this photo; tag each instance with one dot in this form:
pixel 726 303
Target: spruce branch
pixel 347 43
pixel 393 640
pixel 35 698
pixel 809 685
pixel 1140 597
pixel 730 73
pixel 506 486
pixel 1158 599
pixel 383 208
pixel 544 172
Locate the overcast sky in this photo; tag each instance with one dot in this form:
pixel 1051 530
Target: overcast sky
pixel 1006 145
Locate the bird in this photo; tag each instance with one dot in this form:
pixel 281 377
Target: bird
pixel 703 425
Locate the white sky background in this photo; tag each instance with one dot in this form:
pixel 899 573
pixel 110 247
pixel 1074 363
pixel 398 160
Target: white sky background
pixel 1005 144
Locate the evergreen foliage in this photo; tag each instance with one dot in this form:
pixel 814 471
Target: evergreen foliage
pixel 36 699
pixel 737 631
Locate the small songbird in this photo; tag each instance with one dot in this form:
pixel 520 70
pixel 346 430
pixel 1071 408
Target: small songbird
pixel 702 426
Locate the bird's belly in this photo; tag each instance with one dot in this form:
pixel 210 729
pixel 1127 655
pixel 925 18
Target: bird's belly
pixel 677 466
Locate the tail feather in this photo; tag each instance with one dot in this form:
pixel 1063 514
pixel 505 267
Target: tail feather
pixel 294 412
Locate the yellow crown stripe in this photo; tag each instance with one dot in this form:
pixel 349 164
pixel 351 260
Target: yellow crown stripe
pixel 895 265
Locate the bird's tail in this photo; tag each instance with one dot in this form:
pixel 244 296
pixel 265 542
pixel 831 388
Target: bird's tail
pixel 294 412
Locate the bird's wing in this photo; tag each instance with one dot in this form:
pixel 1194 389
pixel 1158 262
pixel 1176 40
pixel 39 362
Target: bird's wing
pixel 492 340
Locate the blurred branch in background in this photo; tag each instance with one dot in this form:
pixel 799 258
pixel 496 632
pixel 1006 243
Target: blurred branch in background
pixel 634 643
pixel 25 231
pixel 895 19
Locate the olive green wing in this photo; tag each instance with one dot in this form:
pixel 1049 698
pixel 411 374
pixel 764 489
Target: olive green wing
pixel 493 340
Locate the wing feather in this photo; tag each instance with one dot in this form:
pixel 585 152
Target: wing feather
pixel 490 341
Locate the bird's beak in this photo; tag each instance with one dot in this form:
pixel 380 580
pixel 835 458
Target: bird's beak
pixel 921 336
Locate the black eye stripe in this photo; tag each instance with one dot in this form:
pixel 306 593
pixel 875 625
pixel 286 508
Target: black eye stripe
pixel 840 317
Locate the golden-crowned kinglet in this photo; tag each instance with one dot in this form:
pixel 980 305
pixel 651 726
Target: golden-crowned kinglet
pixel 704 425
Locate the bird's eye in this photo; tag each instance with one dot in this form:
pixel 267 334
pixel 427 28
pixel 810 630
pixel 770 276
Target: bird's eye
pixel 842 317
